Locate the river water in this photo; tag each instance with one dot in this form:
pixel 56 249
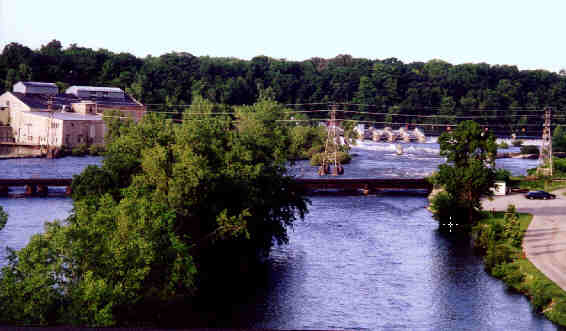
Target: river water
pixel 355 262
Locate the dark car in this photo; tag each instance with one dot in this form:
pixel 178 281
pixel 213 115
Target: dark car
pixel 540 195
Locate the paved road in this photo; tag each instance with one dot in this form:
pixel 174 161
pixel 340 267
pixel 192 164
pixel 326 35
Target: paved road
pixel 545 240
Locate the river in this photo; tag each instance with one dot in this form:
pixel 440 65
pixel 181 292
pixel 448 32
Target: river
pixel 356 262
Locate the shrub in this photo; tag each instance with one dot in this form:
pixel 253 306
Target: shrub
pixel 512 275
pixel 503 145
pixel 541 294
pixel 96 149
pixel 497 254
pixel 559 165
pixel 80 150
pixel 343 157
pixel 529 149
pixel 446 209
pixel 517 143
pixel 502 174
pixel 315 149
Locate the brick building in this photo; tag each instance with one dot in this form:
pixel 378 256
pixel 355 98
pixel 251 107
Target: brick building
pixel 39 115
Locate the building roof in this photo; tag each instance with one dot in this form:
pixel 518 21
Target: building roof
pixel 40 101
pixel 66 116
pixel 72 89
pixel 39 84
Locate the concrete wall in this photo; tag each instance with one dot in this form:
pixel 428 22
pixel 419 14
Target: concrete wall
pixel 6 134
pixel 41 130
pixel 12 104
pixel 30 129
pixel 133 112
pixel 84 107
pixel 4 115
pixel 75 133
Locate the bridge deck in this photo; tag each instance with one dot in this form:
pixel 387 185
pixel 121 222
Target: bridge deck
pixel 301 184
pixel 369 184
pixel 35 181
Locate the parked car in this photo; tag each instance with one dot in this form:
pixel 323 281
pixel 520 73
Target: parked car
pixel 540 195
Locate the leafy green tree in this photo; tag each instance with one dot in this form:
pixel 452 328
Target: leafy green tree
pixel 172 207
pixel 469 172
pixel 559 139
pixel 3 218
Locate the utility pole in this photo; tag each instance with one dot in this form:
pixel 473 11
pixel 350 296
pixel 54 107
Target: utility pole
pixel 545 154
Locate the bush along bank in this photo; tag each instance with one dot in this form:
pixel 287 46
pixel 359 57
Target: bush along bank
pixel 499 238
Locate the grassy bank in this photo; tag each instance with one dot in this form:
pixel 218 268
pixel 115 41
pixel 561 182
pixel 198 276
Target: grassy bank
pixel 538 184
pixel 499 238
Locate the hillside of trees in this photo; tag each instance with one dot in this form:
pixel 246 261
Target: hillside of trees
pixel 434 87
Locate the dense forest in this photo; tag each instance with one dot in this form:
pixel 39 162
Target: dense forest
pixel 435 87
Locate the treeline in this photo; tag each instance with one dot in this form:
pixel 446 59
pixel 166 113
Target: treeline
pixel 434 87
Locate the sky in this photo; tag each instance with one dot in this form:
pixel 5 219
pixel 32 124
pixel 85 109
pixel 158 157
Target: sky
pixel 528 34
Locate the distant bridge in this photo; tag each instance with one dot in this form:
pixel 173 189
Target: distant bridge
pixel 34 186
pixel 364 185
pixel 39 186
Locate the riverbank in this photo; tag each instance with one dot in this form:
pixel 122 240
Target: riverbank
pixel 536 264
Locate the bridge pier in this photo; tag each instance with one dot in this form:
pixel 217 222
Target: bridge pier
pixel 31 189
pixel 4 190
pixel 42 190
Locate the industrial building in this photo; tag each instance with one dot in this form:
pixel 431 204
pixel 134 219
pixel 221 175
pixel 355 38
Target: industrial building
pixel 41 116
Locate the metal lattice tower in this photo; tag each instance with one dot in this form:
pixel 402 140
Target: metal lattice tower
pixel 545 155
pixel 331 149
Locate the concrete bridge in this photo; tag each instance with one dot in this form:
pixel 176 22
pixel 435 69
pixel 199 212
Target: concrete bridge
pixel 40 186
pixel 363 185
pixel 34 186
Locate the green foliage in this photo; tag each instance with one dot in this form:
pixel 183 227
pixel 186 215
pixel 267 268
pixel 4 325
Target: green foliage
pixel 497 254
pixel 93 182
pixel 80 150
pixel 540 294
pixel 176 78
pixel 350 135
pixel 96 150
pixel 446 208
pixel 499 237
pixel 502 175
pixel 114 121
pixel 559 139
pixel 3 218
pixel 305 141
pixel 172 207
pixel 503 145
pixel 343 158
pixel 559 167
pixel 469 173
pixel 530 149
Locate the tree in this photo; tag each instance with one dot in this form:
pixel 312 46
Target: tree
pixel 173 206
pixel 469 172
pixel 3 218
pixel 559 139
